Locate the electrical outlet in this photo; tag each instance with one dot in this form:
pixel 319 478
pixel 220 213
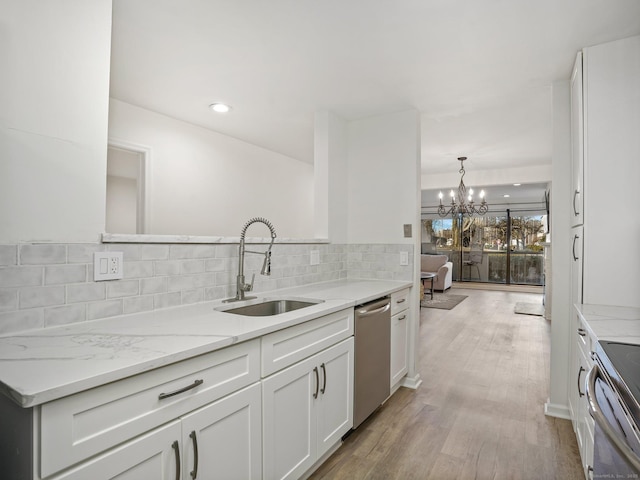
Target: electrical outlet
pixel 404 258
pixel 107 266
pixel 314 257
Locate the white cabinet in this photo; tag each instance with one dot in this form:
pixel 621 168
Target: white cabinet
pixel 611 100
pixel 306 409
pixel 220 440
pixel 154 455
pixel 223 440
pixel 577 144
pixel 400 312
pixel 581 363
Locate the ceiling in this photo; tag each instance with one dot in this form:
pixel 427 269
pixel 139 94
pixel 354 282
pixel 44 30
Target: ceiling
pixel 479 71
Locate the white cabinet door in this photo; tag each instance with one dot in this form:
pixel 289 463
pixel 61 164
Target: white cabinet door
pixel 156 455
pixel 223 439
pixel 399 338
pixel 577 242
pixel 577 144
pixel 335 400
pixel 289 436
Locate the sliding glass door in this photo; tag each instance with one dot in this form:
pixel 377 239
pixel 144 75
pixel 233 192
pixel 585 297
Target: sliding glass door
pixel 494 249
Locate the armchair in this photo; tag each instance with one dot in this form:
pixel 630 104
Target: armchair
pixel 439 265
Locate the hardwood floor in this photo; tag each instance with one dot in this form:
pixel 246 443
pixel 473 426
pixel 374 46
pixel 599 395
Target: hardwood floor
pixel 479 411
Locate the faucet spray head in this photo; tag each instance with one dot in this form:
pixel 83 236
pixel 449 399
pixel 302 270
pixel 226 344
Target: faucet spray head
pixel 266 266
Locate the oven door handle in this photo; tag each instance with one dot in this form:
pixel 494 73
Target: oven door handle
pixel 598 416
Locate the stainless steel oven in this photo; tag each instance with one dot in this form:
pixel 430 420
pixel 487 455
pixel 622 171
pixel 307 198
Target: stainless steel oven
pixel 613 392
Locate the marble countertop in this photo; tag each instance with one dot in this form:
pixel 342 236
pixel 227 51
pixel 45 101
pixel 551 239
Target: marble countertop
pixel 43 365
pixel 616 324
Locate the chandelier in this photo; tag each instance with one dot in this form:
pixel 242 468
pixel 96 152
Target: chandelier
pixel 465 205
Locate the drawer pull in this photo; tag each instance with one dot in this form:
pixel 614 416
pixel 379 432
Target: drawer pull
pixel 324 376
pixel 194 439
pixel 315 369
pixel 162 396
pixel 581 394
pixel 582 332
pixel 402 317
pixel 402 300
pixel 176 447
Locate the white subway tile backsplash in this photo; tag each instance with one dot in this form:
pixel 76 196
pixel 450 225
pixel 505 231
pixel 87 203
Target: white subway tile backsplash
pixel 42 254
pixel 63 274
pixel 165 275
pixel 86 292
pixel 107 308
pixel 154 252
pixel 30 297
pixel 20 276
pixel 65 314
pixel 8 255
pixel 154 285
pixel 191 266
pixel 123 288
pixel 142 303
pixel 21 320
pixel 83 253
pixel 8 299
pixel 165 300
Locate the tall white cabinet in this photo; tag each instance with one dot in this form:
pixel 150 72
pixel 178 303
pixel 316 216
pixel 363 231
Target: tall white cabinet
pixel 605 171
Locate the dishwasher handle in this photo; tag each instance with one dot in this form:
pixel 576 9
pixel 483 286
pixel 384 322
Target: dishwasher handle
pixel 599 417
pixel 374 308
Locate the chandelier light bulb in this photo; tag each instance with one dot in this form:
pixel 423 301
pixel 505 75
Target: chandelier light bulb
pixel 481 193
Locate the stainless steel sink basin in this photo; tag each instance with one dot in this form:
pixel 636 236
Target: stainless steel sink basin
pixel 269 308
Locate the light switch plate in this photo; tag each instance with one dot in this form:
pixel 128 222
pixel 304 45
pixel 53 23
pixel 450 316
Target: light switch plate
pixel 314 257
pixel 107 266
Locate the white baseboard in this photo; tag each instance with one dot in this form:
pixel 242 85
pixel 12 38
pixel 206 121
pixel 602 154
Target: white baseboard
pixel 412 382
pixel 557 410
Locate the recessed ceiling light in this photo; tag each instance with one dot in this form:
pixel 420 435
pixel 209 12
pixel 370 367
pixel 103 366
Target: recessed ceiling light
pixel 220 107
pixel 506 195
pixel 516 184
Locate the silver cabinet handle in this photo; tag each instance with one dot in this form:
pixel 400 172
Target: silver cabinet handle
pixel 582 332
pixel 580 373
pixel 315 369
pixel 575 210
pixel 194 439
pixel 162 396
pixel 324 379
pixel 599 417
pixel 176 448
pixel 402 317
pixel 402 300
pixel 575 237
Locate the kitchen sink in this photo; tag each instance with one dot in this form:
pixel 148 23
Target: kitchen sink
pixel 267 307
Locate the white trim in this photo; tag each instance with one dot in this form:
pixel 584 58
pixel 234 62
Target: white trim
pixel 558 411
pixel 133 238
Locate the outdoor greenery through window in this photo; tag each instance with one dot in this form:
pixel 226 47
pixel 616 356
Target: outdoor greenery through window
pixel 497 249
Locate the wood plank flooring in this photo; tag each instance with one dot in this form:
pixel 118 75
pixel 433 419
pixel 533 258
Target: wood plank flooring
pixel 479 411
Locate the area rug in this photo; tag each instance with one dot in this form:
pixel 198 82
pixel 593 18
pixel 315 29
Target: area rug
pixel 529 309
pixel 444 301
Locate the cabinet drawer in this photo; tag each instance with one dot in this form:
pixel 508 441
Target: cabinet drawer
pixel 286 347
pixel 585 342
pixel 399 301
pixel 81 425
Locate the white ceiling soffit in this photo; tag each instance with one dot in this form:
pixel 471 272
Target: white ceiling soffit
pixel 479 71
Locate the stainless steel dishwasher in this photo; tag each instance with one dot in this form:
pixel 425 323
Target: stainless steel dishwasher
pixel 372 357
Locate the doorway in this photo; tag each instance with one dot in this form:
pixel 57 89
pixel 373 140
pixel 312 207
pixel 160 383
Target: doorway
pixel 127 202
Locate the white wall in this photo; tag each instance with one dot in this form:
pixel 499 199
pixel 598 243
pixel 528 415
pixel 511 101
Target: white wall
pixel 54 94
pixel 557 404
pixel 331 177
pixel 484 178
pixel 206 183
pixel 382 178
